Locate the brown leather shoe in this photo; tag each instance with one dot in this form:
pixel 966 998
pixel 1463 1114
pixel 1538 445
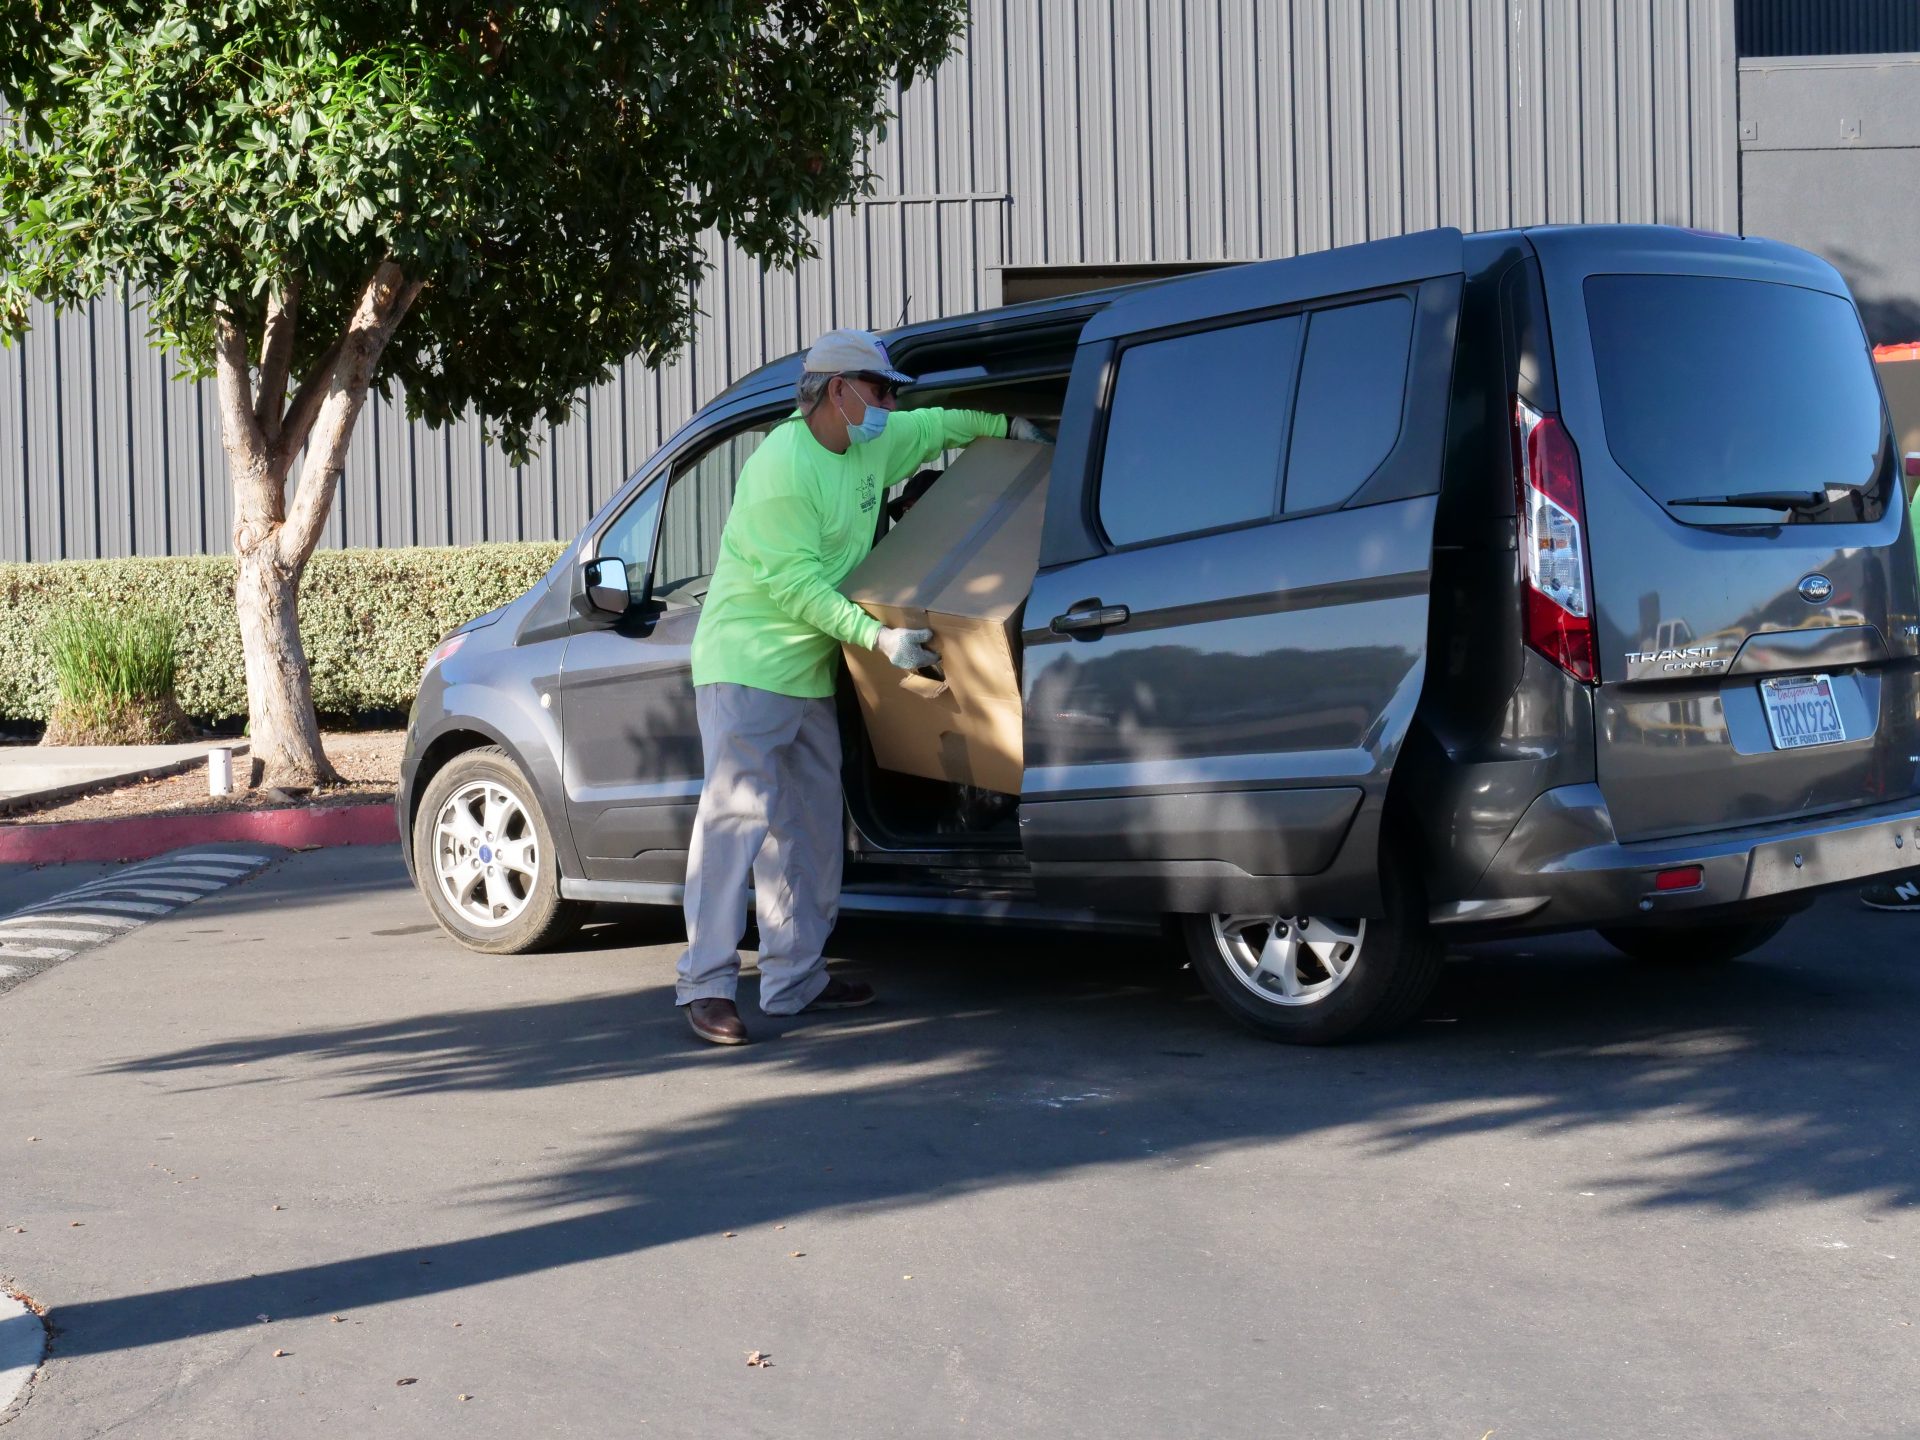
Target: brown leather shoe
pixel 842 995
pixel 716 1021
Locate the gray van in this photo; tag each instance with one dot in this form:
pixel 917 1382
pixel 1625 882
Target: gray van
pixel 1442 586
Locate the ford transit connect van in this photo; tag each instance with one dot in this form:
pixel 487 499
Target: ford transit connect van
pixel 1440 586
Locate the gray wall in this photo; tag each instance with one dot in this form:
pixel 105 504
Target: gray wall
pixel 1830 160
pixel 1065 132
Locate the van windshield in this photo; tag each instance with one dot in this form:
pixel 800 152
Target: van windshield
pixel 1714 387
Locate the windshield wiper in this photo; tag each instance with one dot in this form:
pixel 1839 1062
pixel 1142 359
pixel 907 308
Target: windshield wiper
pixel 1762 500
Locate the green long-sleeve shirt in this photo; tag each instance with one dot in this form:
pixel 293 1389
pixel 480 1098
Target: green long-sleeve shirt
pixel 802 518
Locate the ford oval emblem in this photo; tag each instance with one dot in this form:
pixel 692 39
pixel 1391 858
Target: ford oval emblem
pixel 1815 588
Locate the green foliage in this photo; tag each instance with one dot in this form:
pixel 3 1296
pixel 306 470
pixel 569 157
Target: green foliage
pixel 547 169
pixel 113 674
pixel 101 657
pixel 367 620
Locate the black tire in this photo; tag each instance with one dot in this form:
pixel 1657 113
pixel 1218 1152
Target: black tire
pixel 547 918
pixel 1394 973
pixel 1694 944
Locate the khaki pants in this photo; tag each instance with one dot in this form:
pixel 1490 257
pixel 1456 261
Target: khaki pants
pixel 770 809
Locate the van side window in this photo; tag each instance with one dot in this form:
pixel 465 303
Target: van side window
pixel 1353 392
pixel 697 505
pixel 1198 427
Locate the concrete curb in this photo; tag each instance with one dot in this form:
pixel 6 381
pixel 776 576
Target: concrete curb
pixel 143 836
pixel 23 1343
pixel 33 799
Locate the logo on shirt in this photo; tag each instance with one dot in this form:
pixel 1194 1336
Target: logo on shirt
pixel 867 498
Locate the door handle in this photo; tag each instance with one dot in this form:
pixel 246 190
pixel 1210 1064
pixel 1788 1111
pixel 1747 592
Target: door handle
pixel 1090 616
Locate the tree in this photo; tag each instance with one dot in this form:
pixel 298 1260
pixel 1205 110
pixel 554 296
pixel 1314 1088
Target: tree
pixel 491 206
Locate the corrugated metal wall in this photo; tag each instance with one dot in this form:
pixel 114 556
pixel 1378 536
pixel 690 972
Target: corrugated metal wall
pixel 1064 132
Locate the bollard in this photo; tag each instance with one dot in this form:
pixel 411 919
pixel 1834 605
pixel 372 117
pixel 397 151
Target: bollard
pixel 220 771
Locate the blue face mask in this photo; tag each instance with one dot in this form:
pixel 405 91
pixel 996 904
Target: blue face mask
pixel 870 427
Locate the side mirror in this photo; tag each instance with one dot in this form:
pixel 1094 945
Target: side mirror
pixel 607 589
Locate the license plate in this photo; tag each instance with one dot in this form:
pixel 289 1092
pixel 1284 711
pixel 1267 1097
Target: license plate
pixel 1802 711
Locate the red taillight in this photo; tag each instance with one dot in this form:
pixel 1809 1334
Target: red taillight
pixel 1685 877
pixel 1559 610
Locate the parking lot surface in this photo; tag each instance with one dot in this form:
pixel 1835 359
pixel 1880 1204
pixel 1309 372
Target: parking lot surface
pixel 287 1162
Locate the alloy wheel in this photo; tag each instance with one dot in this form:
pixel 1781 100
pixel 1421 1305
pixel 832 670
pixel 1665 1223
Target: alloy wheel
pixel 1289 960
pixel 486 854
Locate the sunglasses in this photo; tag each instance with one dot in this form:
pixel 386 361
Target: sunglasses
pixel 888 389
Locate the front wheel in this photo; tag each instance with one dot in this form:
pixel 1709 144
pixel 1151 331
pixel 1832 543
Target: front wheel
pixel 1694 944
pixel 485 857
pixel 1311 980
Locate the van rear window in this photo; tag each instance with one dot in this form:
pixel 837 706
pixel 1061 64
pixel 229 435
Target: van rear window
pixel 1717 387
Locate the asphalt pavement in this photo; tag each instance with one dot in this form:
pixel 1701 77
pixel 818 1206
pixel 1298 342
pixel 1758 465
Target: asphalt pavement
pixel 286 1162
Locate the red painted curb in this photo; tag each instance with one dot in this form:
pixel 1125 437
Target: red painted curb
pixel 143 837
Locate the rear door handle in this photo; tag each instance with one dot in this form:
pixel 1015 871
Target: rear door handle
pixel 1090 616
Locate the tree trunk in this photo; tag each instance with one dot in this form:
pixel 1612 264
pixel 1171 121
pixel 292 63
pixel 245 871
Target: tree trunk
pixel 283 731
pixel 271 541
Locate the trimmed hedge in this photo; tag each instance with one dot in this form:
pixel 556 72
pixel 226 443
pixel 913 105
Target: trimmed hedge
pixel 367 617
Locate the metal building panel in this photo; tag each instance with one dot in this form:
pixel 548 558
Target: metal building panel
pixel 987 96
pixel 1203 123
pixel 115 472
pixel 1064 183
pixel 1713 85
pixel 1672 125
pixel 1633 39
pixel 1170 180
pixel 1419 113
pixel 46 503
pixel 1599 81
pixel 1312 154
pixel 216 484
pixel 1133 152
pixel 1492 115
pixel 1528 110
pixel 13 453
pixel 1027 140
pixel 1454 117
pixel 79 468
pixel 1564 193
pixel 566 448
pixel 1347 93
pixel 1278 215
pixel 147 480
pixel 1097 153
pixel 1240 198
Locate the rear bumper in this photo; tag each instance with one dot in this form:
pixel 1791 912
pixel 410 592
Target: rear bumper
pixel 1562 869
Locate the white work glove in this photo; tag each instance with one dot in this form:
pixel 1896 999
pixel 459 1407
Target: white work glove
pixel 906 648
pixel 1021 428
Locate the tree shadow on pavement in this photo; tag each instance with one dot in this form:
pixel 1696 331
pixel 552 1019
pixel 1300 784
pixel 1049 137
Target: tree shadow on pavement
pixel 998 1064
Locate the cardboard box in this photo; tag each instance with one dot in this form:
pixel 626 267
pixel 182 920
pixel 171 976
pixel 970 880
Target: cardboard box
pixel 960 564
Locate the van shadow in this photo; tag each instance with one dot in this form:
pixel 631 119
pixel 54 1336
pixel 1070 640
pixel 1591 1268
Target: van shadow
pixel 1000 1061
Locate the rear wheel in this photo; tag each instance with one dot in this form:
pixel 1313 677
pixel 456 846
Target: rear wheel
pixel 1694 944
pixel 485 857
pixel 1313 980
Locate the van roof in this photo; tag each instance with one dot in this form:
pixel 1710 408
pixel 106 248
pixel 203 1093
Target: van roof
pixel 1649 241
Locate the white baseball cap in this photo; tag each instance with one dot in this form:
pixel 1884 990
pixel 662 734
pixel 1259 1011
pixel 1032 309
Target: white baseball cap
pixel 852 352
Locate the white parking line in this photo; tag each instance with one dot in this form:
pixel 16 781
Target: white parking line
pixel 75 917
pixel 124 907
pixel 156 877
pixel 110 906
pixel 141 892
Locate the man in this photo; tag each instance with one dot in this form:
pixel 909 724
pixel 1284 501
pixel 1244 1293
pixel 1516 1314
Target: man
pixel 765 662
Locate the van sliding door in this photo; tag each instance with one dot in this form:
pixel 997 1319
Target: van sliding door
pixel 1227 637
